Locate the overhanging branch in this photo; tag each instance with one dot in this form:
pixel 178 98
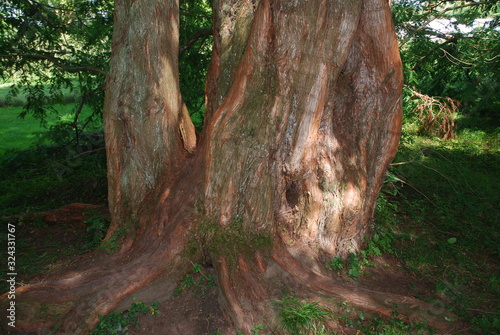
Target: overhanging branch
pixel 199 34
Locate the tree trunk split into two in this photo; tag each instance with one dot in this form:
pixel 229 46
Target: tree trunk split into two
pixel 303 116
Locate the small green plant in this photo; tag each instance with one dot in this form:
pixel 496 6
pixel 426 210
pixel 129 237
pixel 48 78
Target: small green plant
pixel 298 317
pixel 186 282
pixel 201 281
pixel 381 242
pixel 119 322
pixel 255 329
pixel 335 264
pixel 354 265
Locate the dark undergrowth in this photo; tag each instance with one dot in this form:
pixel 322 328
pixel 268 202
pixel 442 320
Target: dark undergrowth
pixel 47 176
pixel 44 177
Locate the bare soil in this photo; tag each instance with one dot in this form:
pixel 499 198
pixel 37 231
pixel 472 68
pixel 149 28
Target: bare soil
pixel 191 312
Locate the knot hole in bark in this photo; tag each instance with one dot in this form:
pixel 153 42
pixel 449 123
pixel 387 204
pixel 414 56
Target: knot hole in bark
pixel 292 194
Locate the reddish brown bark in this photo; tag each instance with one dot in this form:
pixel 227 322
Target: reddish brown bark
pixel 303 126
pixel 303 118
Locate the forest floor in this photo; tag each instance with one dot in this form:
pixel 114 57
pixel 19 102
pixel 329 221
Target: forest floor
pixel 193 308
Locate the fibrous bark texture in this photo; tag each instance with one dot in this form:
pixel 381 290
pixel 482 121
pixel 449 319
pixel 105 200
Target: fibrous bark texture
pixel 303 116
pixel 307 113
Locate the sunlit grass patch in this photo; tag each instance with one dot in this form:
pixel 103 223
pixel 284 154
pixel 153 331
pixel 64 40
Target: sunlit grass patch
pixel 19 133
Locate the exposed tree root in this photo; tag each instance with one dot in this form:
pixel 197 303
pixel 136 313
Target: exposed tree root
pixel 73 300
pixel 250 292
pixel 75 212
pixel 249 287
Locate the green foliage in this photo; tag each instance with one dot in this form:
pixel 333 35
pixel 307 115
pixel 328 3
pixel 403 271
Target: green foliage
pixel 255 329
pixel 46 176
pixel 201 282
pixel 11 95
pixel 335 264
pixel 17 133
pixel 300 317
pixel 53 47
pixel 63 161
pixel 58 51
pixel 354 265
pixel 120 322
pixel 112 244
pixel 460 64
pixel 195 21
pixel 382 241
pixel 392 326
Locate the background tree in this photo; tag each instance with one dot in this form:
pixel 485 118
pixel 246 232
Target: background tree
pixel 303 117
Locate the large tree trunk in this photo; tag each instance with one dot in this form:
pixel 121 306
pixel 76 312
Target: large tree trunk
pixel 303 117
pixel 304 122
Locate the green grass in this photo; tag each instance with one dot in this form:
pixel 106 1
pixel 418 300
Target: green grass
pixel 297 317
pixel 16 133
pixel 445 217
pixel 19 133
pixel 7 98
